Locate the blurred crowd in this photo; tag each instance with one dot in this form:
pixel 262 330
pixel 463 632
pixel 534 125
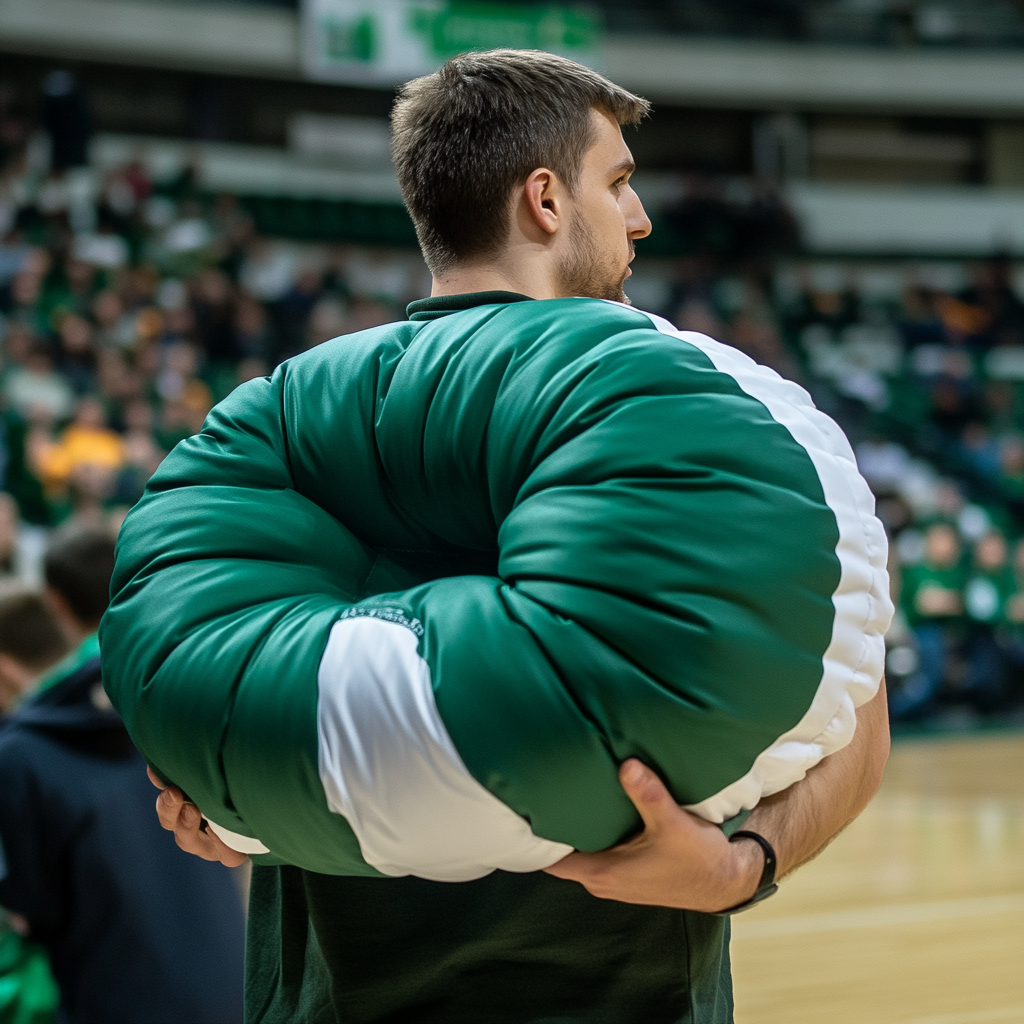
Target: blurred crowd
pixel 879 22
pixel 129 306
pixel 117 340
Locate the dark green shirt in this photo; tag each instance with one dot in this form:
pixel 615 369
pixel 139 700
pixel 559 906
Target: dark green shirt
pixel 521 949
pixel 986 595
pixel 918 577
pixel 515 949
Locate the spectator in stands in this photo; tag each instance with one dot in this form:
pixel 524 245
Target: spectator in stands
pixel 1015 631
pixel 186 397
pixel 252 328
pixel 919 323
pixel 933 602
pixel 77 360
pixel 9 529
pixel 329 318
pixel 213 310
pixel 87 442
pixel 114 328
pixel 1001 407
pixel 990 586
pixel 1015 605
pixel 980 452
pixel 953 406
pixel 142 453
pixel 28 994
pixel 135 930
pixel 71 290
pixel 1011 473
pixel 293 309
pixel 36 390
pixel 992 291
pixel 964 322
pixel 753 331
pixel 31 641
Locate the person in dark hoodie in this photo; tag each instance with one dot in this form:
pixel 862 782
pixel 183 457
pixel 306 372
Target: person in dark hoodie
pixel 135 929
pixel 28 993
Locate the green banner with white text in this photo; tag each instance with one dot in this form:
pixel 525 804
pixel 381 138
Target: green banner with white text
pixel 386 42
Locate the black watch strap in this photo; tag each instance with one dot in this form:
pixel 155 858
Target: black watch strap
pixel 767 886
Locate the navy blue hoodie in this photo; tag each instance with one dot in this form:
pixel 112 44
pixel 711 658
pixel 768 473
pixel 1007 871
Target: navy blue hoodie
pixel 136 930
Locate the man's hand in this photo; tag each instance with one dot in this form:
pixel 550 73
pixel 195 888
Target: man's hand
pixel 682 861
pixel 679 860
pixel 183 818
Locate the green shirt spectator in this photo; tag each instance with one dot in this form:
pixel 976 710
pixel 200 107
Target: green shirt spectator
pixel 990 583
pixel 28 993
pixel 934 590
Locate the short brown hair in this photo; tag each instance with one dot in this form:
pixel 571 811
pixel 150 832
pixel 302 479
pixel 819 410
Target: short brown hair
pixel 29 633
pixel 464 137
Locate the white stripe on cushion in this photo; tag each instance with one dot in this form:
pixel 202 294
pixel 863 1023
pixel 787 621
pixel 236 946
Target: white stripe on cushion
pixel 240 844
pixel 854 660
pixel 389 766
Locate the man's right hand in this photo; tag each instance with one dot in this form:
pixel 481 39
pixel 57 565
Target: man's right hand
pixel 184 819
pixel 678 860
pixel 684 862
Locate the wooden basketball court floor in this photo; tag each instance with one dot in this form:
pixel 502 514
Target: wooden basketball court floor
pixel 915 915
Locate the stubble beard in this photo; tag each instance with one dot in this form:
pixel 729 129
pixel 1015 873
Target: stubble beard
pixel 587 272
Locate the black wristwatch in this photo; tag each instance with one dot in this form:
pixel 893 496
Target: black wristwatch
pixel 767 886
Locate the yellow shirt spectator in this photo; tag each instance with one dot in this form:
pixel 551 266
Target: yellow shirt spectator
pixel 87 441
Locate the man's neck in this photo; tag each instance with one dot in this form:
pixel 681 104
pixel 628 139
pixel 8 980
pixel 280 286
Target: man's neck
pixel 463 280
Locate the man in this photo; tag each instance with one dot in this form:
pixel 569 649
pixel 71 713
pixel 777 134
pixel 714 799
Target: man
pixel 124 917
pixel 27 990
pixel 933 600
pixel 30 642
pixel 988 590
pixel 515 171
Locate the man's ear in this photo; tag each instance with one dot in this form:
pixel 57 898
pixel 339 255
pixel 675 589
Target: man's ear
pixel 543 200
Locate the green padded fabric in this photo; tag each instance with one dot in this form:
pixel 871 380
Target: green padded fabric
pixel 601 538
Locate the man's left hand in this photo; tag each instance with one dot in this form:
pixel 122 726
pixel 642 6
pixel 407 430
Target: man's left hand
pixel 679 860
pixel 185 820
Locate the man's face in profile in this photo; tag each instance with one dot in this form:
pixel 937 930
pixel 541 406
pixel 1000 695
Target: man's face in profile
pixel 607 217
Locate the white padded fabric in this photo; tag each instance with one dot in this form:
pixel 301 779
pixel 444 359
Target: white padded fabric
pixel 855 659
pixel 240 844
pixel 389 766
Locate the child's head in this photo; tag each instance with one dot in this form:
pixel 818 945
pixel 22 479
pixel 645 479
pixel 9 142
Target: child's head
pixel 78 566
pixel 942 545
pixel 990 552
pixel 31 640
pixel 90 414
